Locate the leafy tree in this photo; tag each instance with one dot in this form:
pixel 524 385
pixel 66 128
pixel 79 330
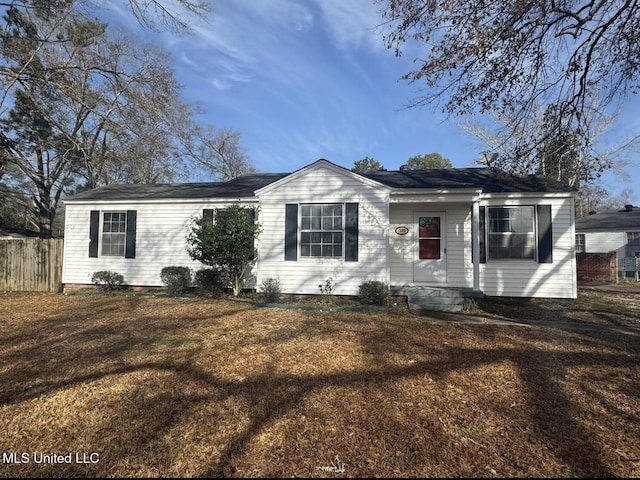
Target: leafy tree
pixel 226 243
pixel 41 155
pixel 428 160
pixel 367 164
pixel 14 209
pixel 575 58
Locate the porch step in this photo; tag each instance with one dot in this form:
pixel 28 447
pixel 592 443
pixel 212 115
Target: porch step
pixel 439 299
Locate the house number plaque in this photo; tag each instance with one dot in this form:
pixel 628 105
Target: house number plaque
pixel 402 230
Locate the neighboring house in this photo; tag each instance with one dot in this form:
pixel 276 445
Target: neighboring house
pixel 612 231
pixel 472 229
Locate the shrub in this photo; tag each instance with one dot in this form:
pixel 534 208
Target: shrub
pixel 469 304
pixel 271 290
pixel 327 287
pixel 107 280
pixel 177 279
pixel 226 243
pixel 210 281
pixel 373 292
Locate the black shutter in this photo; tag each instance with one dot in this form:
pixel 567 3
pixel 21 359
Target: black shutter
pixel 291 232
pixel 130 239
pixel 207 214
pixel 545 236
pixel 94 228
pixel 351 233
pixel 482 231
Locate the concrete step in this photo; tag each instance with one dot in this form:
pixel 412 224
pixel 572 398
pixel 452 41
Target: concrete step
pixel 436 292
pixel 435 298
pixel 425 308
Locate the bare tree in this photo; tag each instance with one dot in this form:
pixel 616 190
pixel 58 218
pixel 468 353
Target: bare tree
pixel 595 198
pixel 176 15
pixel 217 150
pixel 510 56
pixel 570 159
pixel 30 16
pixel 85 107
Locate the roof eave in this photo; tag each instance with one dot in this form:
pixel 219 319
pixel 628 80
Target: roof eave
pixel 318 164
pixel 160 200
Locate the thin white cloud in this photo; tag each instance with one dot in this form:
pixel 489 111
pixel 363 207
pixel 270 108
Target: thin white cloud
pixel 352 24
pixel 249 40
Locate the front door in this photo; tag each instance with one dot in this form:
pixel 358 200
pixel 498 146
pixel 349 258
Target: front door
pixel 430 261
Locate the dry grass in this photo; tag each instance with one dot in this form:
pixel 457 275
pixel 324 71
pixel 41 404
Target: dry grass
pixel 162 387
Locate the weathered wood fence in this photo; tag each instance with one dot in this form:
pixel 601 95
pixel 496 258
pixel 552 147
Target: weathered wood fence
pixel 31 265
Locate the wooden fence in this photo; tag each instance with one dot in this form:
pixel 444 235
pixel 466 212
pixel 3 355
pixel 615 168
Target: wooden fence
pixel 31 265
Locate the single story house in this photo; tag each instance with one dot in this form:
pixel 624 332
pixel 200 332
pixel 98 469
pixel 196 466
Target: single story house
pixel 612 231
pixel 475 230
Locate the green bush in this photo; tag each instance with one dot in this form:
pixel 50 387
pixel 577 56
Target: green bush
pixel 177 279
pixel 271 290
pixel 373 292
pixel 107 280
pixel 210 281
pixel 469 304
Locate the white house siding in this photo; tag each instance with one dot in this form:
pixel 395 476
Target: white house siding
pixel 323 184
pixel 458 243
pixel 605 242
pixel 161 231
pixel 526 278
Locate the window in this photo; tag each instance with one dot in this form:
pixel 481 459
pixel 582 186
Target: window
pixel 580 243
pixel 510 233
pixel 114 228
pixel 633 238
pixel 429 237
pixel 112 233
pixel 321 230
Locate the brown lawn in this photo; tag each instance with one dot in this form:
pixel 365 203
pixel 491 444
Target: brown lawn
pixel 155 387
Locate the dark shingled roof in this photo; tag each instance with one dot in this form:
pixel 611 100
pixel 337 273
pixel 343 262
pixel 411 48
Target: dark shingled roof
pixel 489 180
pixel 241 187
pixel 620 220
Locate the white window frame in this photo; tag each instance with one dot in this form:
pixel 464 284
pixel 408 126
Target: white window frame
pixel 320 246
pixel 510 235
pixel 581 246
pixel 106 233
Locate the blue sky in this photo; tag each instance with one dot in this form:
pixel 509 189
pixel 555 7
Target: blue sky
pixel 309 79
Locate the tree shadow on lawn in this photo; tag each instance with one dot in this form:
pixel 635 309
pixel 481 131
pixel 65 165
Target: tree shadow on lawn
pixel 398 348
pixel 539 372
pixel 589 308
